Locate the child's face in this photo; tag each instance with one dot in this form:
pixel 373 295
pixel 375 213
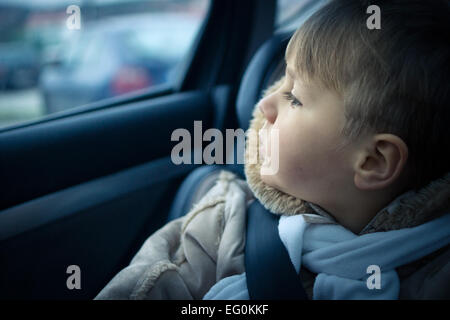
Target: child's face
pixel 312 167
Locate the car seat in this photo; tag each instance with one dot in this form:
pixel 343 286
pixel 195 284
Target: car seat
pixel 266 66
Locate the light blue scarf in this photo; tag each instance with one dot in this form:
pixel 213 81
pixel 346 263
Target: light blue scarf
pixel 344 262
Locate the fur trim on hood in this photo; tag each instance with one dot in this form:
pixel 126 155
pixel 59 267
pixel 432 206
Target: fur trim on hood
pixel 408 210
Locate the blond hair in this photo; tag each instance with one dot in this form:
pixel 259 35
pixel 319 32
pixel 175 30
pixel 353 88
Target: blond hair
pixel 392 80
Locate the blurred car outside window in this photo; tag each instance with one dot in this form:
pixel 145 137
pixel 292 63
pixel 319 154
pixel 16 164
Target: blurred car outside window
pixel 120 47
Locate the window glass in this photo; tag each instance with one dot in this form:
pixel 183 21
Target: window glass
pixel 292 13
pixel 60 54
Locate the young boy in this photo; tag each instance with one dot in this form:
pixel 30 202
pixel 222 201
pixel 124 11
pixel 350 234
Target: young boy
pixel 362 119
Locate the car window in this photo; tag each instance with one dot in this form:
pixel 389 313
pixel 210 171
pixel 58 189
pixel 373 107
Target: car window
pixel 60 54
pixel 291 14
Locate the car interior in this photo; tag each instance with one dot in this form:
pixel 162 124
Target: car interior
pixel 87 186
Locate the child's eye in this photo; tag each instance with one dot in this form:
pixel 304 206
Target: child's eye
pixel 294 101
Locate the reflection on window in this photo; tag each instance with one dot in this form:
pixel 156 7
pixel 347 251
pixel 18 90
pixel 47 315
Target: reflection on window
pixel 122 46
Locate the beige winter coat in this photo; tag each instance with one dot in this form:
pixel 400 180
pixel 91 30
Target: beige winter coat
pixel 185 258
pixel 190 254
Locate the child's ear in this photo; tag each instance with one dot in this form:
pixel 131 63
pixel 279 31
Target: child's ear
pixel 381 162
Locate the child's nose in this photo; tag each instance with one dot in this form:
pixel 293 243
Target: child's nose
pixel 268 108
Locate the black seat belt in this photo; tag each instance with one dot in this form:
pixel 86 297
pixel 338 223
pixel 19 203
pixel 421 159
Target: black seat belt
pixel 269 270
